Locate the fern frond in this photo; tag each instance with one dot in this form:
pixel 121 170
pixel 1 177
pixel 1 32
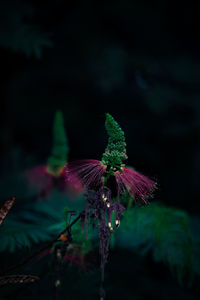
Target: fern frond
pixel 16 234
pixel 164 231
pixel 38 222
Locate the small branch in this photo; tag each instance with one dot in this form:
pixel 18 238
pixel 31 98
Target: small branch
pixel 17 279
pixel 48 245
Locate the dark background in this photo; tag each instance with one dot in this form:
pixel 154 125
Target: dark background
pixel 137 60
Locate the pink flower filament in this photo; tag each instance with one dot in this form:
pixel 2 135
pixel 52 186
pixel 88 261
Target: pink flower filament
pixel 90 172
pixel 135 183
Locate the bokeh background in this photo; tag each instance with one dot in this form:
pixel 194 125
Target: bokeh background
pixel 137 60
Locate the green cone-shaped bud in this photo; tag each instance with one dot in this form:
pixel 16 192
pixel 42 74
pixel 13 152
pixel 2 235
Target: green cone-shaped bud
pixel 115 152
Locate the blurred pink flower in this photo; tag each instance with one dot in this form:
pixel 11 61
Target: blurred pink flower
pixel 44 182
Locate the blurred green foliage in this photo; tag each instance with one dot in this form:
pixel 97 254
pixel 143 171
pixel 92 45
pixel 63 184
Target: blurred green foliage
pixel 155 228
pixel 165 232
pixel 16 34
pixel 59 156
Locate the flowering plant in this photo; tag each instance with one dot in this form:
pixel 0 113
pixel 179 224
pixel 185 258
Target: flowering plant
pixel 110 189
pixel 52 175
pixel 95 176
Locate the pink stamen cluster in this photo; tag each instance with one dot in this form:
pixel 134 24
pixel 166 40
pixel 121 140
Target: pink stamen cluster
pixel 138 185
pixel 92 174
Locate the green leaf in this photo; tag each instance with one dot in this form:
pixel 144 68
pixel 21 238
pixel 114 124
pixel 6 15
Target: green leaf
pixel 162 230
pixel 15 234
pixel 39 222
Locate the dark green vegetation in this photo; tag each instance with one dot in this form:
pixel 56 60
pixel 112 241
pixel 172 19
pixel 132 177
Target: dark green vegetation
pixel 161 231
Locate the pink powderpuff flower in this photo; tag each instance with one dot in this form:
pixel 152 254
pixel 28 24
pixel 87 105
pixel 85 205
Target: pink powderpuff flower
pixel 92 174
pixel 44 182
pixel 138 185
